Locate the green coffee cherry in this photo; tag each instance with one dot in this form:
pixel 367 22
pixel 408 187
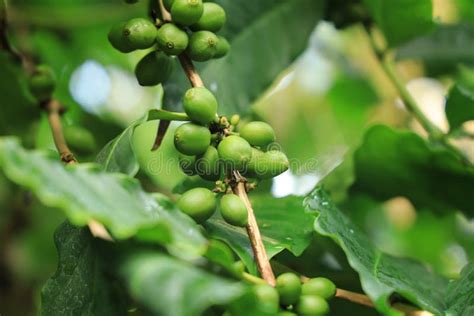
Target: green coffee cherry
pixel 198 203
pixel 208 165
pixel 186 12
pixel 118 40
pixel 154 68
pixel 288 286
pixel 258 134
pixel 266 165
pixel 167 4
pixel 235 152
pixel 312 305
pixel 212 19
pixel 222 47
pixel 42 83
pixel 191 139
pixel 202 46
pixel 233 210
pixel 80 139
pixel 268 299
pixel 188 165
pixel 140 33
pixel 319 286
pixel 235 119
pixel 274 163
pixel 200 105
pixel 286 313
pixel 171 39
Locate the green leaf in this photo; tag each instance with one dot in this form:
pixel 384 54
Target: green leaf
pixel 459 106
pixel 118 154
pixel 392 163
pixel 79 286
pixel 460 294
pixel 265 39
pixel 283 225
pixel 401 20
pixel 86 193
pixel 381 274
pixel 170 287
pixel 442 50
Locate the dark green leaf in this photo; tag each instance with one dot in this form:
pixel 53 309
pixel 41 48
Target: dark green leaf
pixel 401 20
pixel 170 287
pixel 381 274
pixel 85 193
pixel 460 295
pixel 19 108
pixel 283 225
pixel 265 39
pixel 393 163
pixel 442 50
pixel 79 286
pixel 459 106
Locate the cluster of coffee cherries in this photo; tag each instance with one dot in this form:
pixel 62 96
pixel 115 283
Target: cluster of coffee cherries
pixel 192 30
pixel 290 297
pixel 213 147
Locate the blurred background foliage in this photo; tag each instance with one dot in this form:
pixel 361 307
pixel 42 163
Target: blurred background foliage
pixel 319 107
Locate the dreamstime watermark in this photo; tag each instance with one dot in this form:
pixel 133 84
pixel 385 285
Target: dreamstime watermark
pixel 161 166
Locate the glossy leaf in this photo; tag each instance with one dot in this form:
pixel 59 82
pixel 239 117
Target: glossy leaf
pixel 170 287
pixel 79 286
pixel 254 30
pixel 85 193
pixel 401 20
pixel 460 106
pixel 283 225
pixel 460 294
pixel 392 163
pixel 381 274
pixel 443 49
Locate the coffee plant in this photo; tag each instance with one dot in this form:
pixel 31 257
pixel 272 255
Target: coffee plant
pixel 174 208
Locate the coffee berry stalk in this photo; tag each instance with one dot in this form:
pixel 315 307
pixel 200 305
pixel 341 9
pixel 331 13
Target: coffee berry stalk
pixel 191 31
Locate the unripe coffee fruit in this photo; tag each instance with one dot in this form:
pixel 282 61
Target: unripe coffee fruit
pixel 155 68
pixel 233 210
pixel 288 286
pixel 235 152
pixel 274 163
pixel 79 139
pixel 208 165
pixel 42 83
pixel 268 299
pixel 118 40
pixel 198 203
pixel 186 12
pixel 168 4
pixel 312 305
pixel 171 39
pixel 212 18
pixel 202 45
pixel 259 134
pixel 319 286
pixel 222 47
pixel 191 139
pixel 200 105
pixel 140 33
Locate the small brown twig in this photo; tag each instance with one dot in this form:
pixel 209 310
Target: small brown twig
pixel 253 231
pixel 190 71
